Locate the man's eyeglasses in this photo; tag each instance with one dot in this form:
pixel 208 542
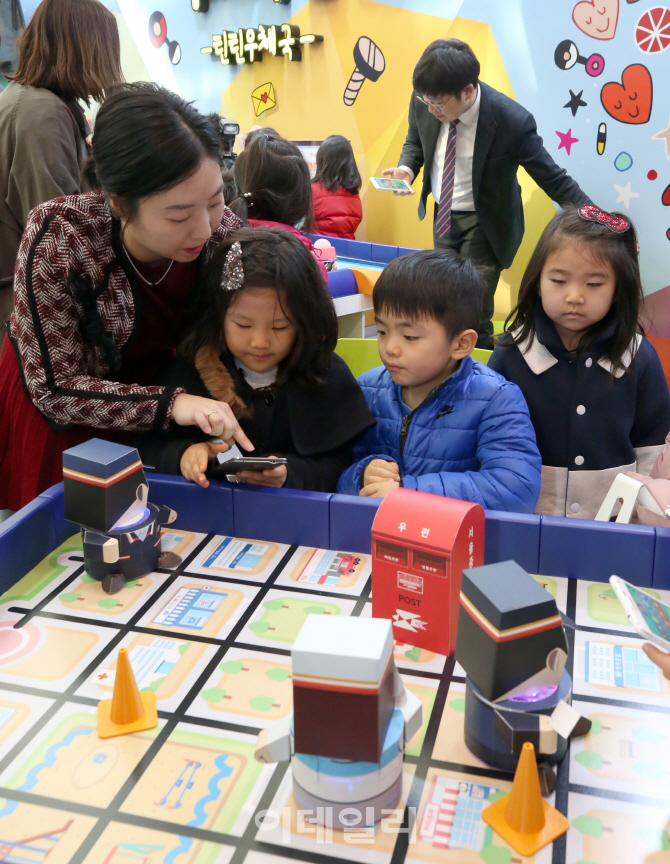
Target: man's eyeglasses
pixel 438 106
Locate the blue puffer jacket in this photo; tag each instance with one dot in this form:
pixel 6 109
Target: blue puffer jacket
pixel 472 439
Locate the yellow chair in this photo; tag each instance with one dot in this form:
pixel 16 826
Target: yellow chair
pixel 482 355
pixel 359 354
pixel 362 354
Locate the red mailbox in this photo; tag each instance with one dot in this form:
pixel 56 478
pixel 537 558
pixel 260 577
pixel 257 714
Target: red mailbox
pixel 420 545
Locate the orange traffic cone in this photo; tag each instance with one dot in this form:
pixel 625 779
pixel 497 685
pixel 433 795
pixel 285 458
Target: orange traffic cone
pixel 128 710
pixel 522 818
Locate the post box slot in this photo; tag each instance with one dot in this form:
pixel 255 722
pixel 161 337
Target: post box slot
pixel 424 562
pixel 390 552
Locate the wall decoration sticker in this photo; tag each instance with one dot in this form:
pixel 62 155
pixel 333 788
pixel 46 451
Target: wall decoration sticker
pixel 625 194
pixel 664 135
pixel 370 64
pixel 623 161
pixel 601 140
pixel 575 102
pixel 652 175
pixel 630 101
pixel 597 18
pixel 238 47
pixel 567 55
pixel 566 140
pixel 665 197
pixel 263 98
pixel 200 5
pixel 652 31
pixel 158 37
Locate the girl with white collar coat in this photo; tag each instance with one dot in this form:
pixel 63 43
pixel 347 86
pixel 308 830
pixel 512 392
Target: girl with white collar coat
pixel 595 388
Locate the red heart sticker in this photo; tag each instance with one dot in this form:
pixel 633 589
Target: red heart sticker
pixel 665 198
pixel 264 97
pixel 630 101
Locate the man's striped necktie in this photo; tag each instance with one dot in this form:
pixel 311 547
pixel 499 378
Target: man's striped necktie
pixel 443 219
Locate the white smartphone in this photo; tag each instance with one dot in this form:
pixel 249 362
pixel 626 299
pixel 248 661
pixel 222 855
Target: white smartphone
pixel 391 184
pixel 649 616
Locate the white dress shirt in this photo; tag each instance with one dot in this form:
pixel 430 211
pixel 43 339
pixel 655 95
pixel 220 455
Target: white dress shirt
pixel 465 146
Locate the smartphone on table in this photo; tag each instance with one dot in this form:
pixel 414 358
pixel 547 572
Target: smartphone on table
pixel 649 616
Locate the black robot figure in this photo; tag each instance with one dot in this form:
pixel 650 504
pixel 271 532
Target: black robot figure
pixel 106 493
pixel 512 645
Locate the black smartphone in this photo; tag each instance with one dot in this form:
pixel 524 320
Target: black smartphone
pixel 250 463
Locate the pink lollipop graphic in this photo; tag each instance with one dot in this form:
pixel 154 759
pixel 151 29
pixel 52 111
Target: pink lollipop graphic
pixel 370 64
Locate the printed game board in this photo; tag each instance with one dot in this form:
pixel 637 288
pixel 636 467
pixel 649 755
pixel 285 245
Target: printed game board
pixel 212 639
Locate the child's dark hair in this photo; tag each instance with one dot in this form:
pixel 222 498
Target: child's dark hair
pixel 336 166
pixel 147 140
pixel 618 249
pixel 432 283
pixel 263 130
pixel 273 182
pixel 229 187
pixel 271 258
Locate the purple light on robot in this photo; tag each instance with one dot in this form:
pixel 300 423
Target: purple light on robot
pixel 535 694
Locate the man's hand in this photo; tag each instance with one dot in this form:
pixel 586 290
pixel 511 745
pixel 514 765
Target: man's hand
pixel 195 458
pixel 399 174
pixel 269 477
pixel 379 489
pixel 379 470
pixel 660 658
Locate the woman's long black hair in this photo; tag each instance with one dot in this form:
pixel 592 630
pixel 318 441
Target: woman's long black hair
pixel 620 250
pixel 336 166
pixel 271 258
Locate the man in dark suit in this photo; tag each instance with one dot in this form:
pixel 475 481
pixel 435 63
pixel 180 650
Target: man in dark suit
pixel 471 140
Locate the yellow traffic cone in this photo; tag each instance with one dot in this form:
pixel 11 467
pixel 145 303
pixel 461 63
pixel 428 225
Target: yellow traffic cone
pixel 128 710
pixel 522 818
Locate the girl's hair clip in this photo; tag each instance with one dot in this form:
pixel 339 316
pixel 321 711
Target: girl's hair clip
pixel 246 194
pixel 594 214
pixel 232 277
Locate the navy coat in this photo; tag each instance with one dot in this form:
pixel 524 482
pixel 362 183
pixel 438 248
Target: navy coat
pixel 591 423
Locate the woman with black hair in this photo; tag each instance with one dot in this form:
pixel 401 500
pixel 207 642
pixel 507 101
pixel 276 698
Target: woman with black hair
pixel 101 289
pixel 337 182
pixel 264 343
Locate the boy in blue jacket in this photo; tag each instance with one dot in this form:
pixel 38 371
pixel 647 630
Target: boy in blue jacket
pixel 445 423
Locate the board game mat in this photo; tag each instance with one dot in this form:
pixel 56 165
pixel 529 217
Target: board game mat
pixel 212 639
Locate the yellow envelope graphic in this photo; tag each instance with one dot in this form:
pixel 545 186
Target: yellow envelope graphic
pixel 263 98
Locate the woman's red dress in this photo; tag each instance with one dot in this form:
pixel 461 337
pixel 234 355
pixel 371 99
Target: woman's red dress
pixel 31 450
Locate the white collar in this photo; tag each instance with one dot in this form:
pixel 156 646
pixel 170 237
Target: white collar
pixel 256 380
pixel 539 358
pixel 472 114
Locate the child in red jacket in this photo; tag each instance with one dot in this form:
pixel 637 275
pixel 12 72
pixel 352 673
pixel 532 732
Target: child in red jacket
pixel 335 188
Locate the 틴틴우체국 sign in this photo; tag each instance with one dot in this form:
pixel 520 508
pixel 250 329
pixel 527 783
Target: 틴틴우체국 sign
pixel 238 47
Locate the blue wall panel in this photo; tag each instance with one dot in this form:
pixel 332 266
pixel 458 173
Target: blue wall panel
pixel 284 516
pixel 513 536
pixel 351 521
pixel 583 549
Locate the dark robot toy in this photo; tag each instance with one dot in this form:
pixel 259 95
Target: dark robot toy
pixel 106 493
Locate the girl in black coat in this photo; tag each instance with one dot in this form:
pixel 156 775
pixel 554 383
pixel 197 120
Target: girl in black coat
pixel 594 385
pixel 263 342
